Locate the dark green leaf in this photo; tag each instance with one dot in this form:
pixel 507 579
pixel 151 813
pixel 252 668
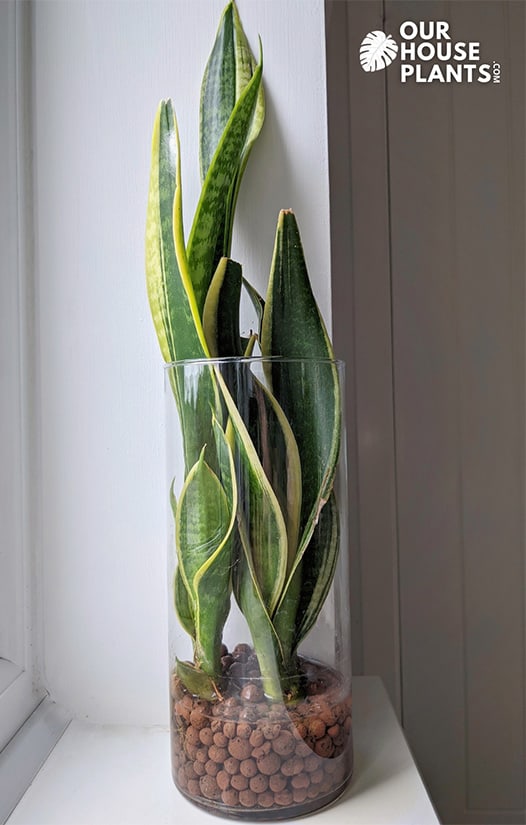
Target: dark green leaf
pixel 276 447
pixel 260 519
pixel 257 302
pixel 308 389
pixel 221 310
pixel 306 593
pixel 218 91
pixel 209 220
pixel 228 72
pixel 251 603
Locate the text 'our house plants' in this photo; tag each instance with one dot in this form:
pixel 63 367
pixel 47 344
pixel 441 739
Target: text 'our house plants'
pixel 259 623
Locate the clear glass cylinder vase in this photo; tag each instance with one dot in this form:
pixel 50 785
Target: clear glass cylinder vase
pixel 259 624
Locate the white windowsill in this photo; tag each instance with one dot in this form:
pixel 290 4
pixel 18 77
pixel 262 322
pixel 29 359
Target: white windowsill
pixel 9 671
pixel 109 775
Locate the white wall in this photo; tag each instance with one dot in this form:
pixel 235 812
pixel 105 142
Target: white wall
pixel 99 70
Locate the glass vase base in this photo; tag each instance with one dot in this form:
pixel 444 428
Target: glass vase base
pixel 271 814
pixel 245 756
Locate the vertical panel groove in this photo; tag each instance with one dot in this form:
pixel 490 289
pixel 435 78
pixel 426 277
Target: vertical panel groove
pixel 511 174
pixel 363 295
pixel 342 268
pixel 357 548
pixel 396 548
pixel 459 400
pixel 518 340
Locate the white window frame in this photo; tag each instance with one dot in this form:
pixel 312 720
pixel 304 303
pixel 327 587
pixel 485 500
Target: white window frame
pixel 19 690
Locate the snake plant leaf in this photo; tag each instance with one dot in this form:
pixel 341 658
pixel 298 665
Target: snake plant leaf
pixel 251 603
pixel 221 310
pixel 196 681
pixel 182 602
pixel 227 468
pixel 183 605
pixel 197 399
pixel 203 526
pixel 209 219
pixel 229 69
pixel 245 67
pixel 259 306
pixel 265 532
pixel 276 447
pixel 294 618
pixel 308 392
pixel 213 582
pixel 257 302
pixel 251 343
pixel 245 586
pixel 228 72
pixel 218 90
pixel 170 292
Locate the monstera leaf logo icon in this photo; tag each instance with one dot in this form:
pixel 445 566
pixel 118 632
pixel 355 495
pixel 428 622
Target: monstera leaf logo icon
pixel 377 51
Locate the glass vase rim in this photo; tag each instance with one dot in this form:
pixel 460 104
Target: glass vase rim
pixel 252 359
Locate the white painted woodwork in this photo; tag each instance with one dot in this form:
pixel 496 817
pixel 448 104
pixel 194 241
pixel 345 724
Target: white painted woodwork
pixel 121 776
pixel 18 458
pixel 11 591
pixel 22 758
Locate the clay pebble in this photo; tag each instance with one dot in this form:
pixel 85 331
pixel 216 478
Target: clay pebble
pixel 247 752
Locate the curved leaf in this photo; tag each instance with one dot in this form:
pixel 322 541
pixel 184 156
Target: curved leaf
pixel 204 521
pixel 221 310
pixel 311 582
pixel 259 515
pixel 257 302
pixel 183 606
pixel 251 603
pixel 182 603
pixel 170 291
pixel 276 447
pixel 197 681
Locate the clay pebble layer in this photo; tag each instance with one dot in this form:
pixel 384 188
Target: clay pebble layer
pixel 244 752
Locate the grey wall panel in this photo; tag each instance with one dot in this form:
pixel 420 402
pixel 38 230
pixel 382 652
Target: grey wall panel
pixel 426 400
pixel 342 281
pixel 459 367
pixel 489 351
pixel 362 328
pixel 458 429
pixel 436 221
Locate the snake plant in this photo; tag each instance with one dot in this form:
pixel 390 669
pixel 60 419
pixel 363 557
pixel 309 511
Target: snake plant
pixel 274 543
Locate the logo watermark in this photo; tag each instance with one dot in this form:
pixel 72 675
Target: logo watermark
pixel 428 55
pixel 377 51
